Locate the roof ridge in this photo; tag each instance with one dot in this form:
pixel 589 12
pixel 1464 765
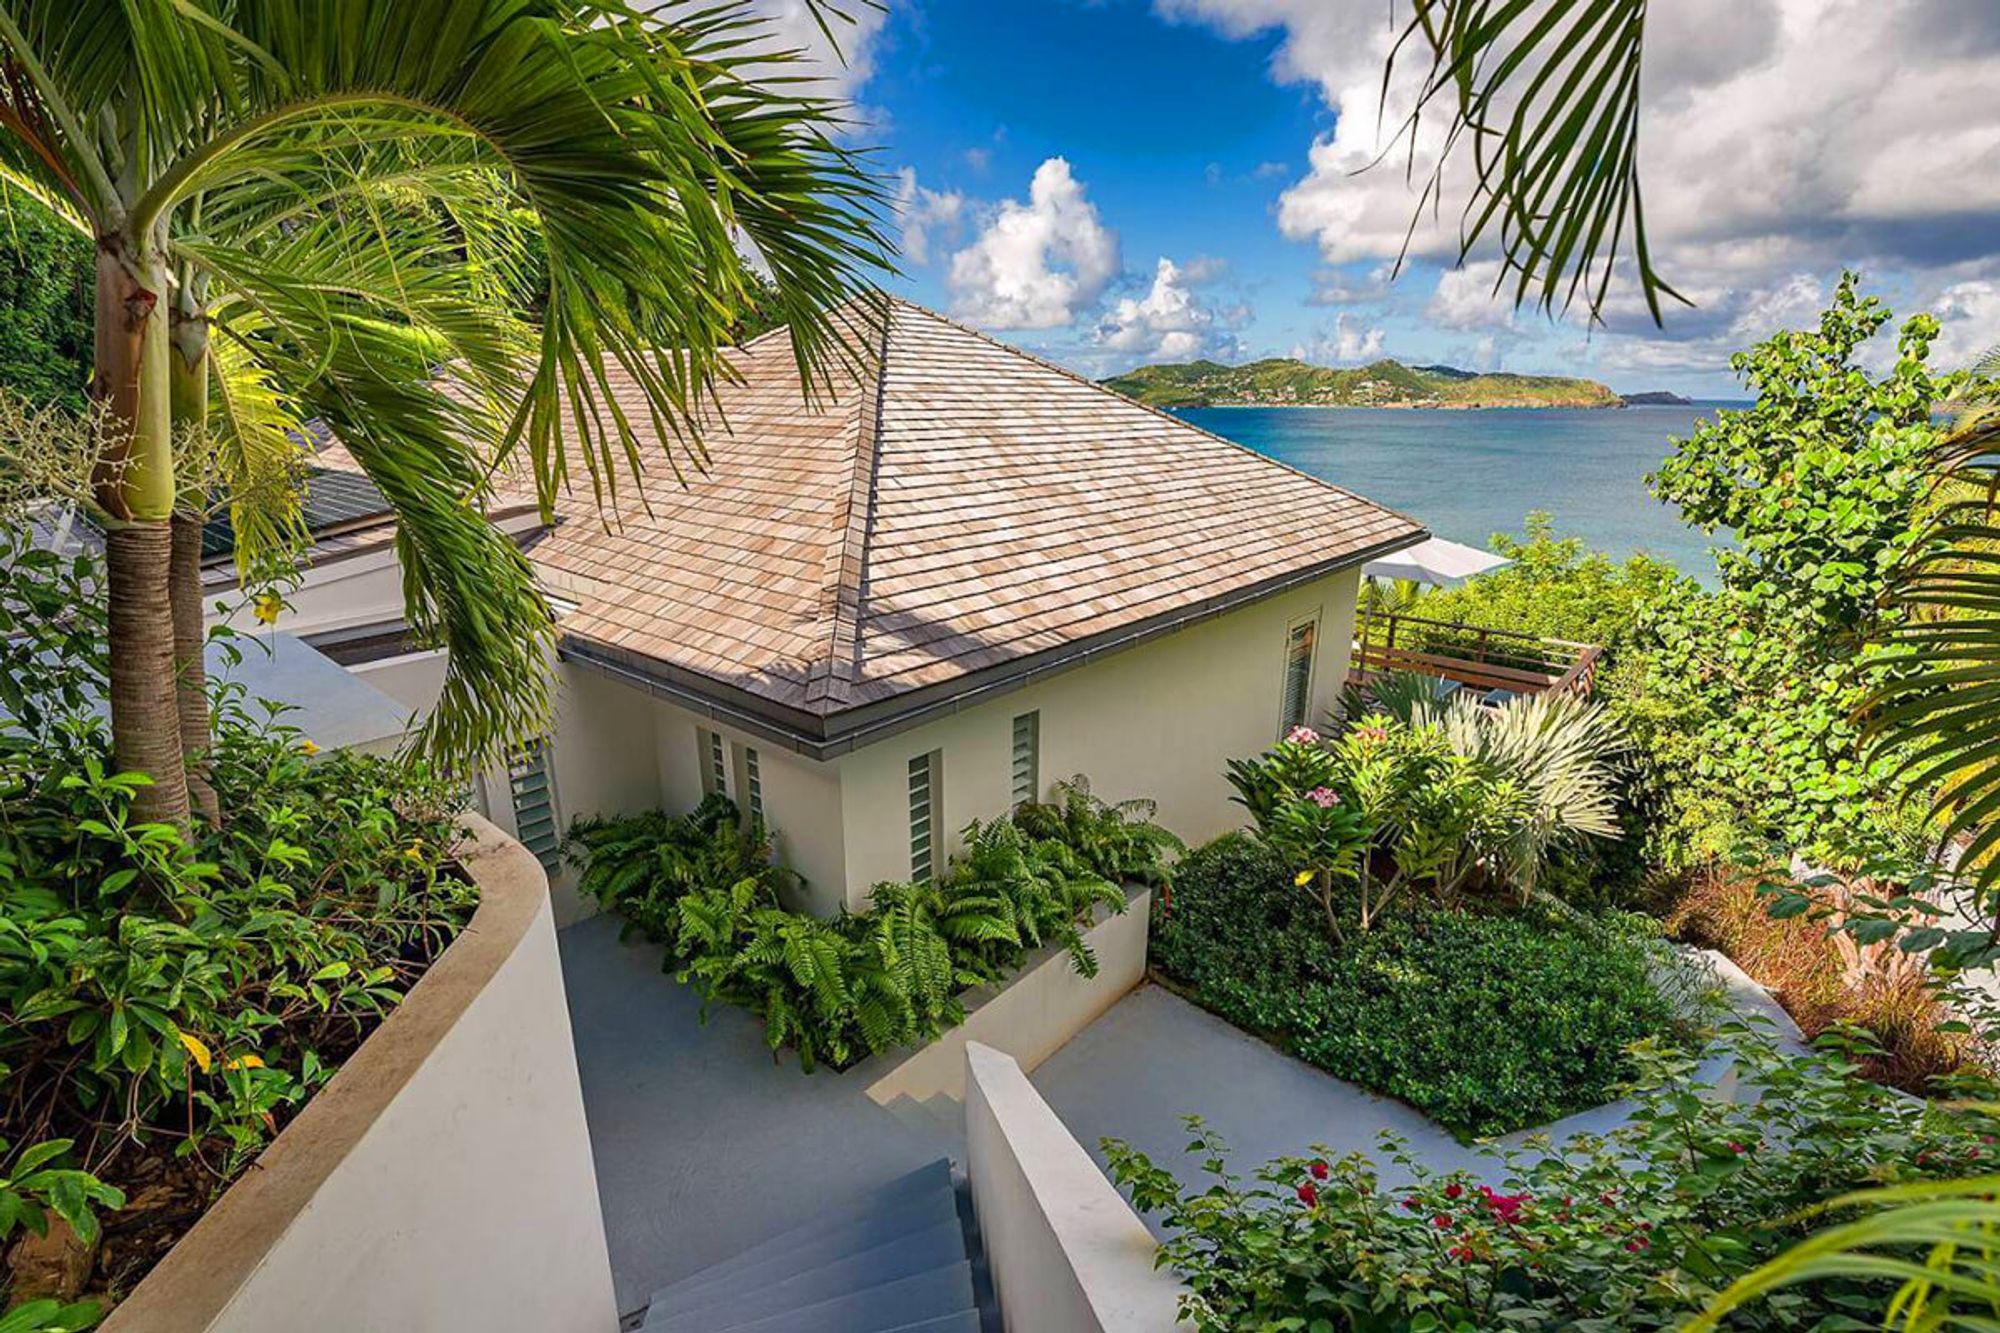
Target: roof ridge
pixel 844 581
pixel 1162 413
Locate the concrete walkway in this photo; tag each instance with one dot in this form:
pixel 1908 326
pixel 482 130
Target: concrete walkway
pixel 1155 1058
pixel 705 1146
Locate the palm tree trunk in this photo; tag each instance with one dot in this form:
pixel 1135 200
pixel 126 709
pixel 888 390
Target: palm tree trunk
pixel 188 338
pixel 134 485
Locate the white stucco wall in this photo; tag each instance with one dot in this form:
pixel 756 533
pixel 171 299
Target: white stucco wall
pixel 1068 1254
pixel 441 1182
pixel 1156 721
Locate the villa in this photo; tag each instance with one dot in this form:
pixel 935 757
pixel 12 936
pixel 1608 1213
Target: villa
pixel 961 575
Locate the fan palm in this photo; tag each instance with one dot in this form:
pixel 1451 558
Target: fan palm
pixel 304 209
pixel 1547 95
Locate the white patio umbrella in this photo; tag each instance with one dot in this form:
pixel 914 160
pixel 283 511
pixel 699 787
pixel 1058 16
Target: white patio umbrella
pixel 1437 562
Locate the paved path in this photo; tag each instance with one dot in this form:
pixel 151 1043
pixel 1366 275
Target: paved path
pixel 704 1146
pixel 1155 1057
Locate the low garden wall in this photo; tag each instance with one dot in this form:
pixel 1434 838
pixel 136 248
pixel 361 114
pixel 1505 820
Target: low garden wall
pixel 442 1180
pixel 1068 1254
pixel 1032 1015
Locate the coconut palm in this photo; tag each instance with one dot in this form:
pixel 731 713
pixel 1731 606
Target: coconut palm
pixel 307 210
pixel 1546 95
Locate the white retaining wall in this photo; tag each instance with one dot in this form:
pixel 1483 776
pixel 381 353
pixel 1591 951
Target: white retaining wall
pixel 1067 1252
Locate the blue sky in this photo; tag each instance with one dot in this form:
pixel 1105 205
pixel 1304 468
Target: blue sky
pixel 1121 181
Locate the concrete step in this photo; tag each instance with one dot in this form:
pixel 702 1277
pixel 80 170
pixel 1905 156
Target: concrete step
pixel 750 1293
pixel 902 1304
pixel 965 1321
pixel 908 1203
pixel 836 1239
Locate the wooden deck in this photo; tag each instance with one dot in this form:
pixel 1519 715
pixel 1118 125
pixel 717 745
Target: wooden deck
pixel 1475 657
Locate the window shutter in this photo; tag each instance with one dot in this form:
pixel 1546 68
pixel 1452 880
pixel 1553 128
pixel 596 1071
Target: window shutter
pixel 1027 757
pixel 714 770
pixel 1296 705
pixel 753 784
pixel 923 815
pixel 532 786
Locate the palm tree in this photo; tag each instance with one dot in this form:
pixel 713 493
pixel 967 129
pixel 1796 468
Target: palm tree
pixel 304 209
pixel 1547 97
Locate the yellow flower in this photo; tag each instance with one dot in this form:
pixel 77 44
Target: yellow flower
pixel 267 605
pixel 308 747
pixel 243 1062
pixel 1303 878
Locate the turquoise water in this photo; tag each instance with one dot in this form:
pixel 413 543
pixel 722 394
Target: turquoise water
pixel 1467 475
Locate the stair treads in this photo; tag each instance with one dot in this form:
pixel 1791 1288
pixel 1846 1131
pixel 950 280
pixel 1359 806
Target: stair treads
pixel 747 1294
pixel 909 1203
pixel 923 1297
pixel 965 1321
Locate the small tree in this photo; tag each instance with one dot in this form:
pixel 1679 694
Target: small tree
pixel 1752 691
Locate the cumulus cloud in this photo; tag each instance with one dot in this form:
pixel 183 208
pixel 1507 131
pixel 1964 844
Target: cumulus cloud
pixel 1168 323
pixel 1350 342
pixel 922 213
pixel 1039 264
pixel 837 68
pixel 1773 145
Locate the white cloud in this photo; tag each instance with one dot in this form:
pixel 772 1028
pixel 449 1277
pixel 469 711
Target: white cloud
pixel 1039 264
pixel 839 67
pixel 1350 342
pixel 1169 323
pixel 1969 319
pixel 1780 138
pixel 921 211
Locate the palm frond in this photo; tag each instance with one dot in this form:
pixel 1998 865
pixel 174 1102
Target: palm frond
pixel 1545 99
pixel 1936 709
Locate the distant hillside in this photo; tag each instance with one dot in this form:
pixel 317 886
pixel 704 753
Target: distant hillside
pixel 1284 382
pixel 1657 398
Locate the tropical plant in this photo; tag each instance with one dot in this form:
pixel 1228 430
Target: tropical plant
pixel 706 885
pixel 1484 1020
pixel 1637 1229
pixel 1433 799
pixel 1118 840
pixel 45 305
pixel 172 993
pixel 295 216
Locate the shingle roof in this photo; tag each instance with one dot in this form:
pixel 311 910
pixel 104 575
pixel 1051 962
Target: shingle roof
pixel 959 509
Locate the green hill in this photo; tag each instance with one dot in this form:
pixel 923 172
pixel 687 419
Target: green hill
pixel 1284 382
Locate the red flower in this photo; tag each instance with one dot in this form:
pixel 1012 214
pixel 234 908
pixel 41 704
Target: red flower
pixel 1506 1207
pixel 1738 1149
pixel 1319 1170
pixel 1411 1203
pixel 1308 1195
pixel 1441 1222
pixel 1453 1190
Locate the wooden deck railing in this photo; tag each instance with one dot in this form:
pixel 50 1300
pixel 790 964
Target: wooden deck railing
pixel 1472 655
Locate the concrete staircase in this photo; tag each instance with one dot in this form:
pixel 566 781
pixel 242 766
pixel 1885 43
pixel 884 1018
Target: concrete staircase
pixel 904 1259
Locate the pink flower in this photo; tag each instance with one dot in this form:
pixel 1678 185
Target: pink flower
pixel 1372 733
pixel 1323 797
pixel 1308 1195
pixel 1302 736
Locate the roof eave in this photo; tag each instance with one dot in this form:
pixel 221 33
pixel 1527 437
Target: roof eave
pixel 830 735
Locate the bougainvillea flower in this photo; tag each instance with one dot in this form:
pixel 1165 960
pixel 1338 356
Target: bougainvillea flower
pixel 1319 1170
pixel 1308 1195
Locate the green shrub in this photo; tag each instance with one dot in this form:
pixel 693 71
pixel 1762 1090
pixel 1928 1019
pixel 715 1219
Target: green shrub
pixel 704 886
pixel 171 996
pixel 1485 1023
pixel 1632 1231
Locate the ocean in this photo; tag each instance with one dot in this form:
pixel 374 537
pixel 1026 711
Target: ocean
pixel 1467 475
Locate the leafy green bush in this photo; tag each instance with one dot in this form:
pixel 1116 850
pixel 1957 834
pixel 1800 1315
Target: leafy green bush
pixel 171 996
pixel 1485 1023
pixel 705 886
pixel 1636 1230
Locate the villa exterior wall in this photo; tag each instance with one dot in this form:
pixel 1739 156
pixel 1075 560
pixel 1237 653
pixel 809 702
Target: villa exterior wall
pixel 1155 721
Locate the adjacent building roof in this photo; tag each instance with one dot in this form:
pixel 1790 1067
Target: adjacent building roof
pixel 952 518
